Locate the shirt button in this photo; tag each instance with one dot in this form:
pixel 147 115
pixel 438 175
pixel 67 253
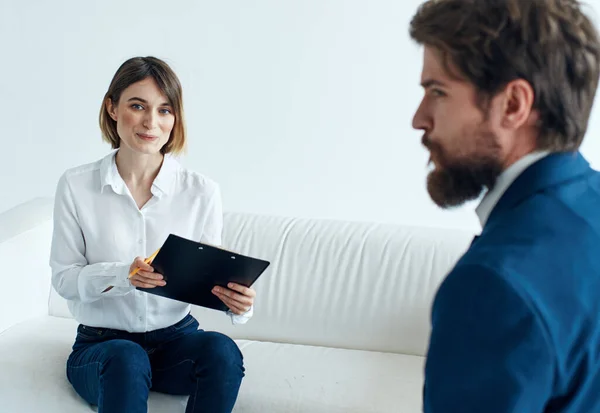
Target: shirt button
pixel 140 318
pixel 140 241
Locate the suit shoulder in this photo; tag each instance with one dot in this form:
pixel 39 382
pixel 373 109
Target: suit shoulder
pixel 474 282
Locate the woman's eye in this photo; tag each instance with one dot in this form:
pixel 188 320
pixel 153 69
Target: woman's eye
pixel 437 92
pixel 165 111
pixel 137 106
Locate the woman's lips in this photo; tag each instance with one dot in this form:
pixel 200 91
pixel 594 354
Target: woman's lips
pixel 146 137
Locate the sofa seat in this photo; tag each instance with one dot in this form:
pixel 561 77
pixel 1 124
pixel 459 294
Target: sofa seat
pixel 288 378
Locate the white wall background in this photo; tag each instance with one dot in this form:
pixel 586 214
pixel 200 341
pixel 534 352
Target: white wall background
pixel 297 107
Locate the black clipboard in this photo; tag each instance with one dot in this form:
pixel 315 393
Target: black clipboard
pixel 192 269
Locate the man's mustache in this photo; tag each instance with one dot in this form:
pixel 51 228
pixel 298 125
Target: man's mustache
pixel 429 144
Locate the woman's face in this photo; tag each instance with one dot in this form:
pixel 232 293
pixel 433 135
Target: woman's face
pixel 144 117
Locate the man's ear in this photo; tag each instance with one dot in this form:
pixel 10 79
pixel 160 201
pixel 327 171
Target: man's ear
pixel 518 104
pixel 111 109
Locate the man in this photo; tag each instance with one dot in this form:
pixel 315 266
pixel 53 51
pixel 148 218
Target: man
pixel 509 86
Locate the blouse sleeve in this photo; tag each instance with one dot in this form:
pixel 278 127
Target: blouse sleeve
pixel 72 277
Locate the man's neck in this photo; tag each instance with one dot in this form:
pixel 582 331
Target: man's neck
pixel 522 144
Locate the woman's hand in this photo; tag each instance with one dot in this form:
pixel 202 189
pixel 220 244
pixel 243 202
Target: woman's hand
pixel 238 298
pixel 145 277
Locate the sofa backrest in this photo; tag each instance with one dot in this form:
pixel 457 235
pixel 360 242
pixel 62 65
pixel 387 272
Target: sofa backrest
pixel 330 283
pixel 25 236
pixel 341 284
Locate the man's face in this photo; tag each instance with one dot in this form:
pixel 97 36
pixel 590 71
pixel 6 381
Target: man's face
pixel 464 149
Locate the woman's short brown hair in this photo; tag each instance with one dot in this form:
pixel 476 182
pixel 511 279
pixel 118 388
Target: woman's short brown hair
pixel 551 44
pixel 132 71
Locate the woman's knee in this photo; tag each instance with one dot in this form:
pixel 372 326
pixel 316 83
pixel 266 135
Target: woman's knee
pixel 222 350
pixel 126 359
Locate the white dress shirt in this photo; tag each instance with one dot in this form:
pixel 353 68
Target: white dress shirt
pixel 504 181
pixel 99 230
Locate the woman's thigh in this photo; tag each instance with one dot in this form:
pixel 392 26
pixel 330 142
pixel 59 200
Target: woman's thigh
pixel 103 368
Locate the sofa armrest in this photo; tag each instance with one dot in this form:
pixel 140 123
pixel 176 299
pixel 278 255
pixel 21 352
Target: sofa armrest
pixel 25 237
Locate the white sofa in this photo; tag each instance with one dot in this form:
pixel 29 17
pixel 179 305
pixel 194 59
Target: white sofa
pixel 341 323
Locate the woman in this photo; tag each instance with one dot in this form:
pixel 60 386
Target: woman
pixel 124 206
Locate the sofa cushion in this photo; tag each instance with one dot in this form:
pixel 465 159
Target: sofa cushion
pixel 279 377
pixel 294 378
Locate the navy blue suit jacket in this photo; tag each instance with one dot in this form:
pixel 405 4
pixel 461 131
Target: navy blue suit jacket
pixel 516 323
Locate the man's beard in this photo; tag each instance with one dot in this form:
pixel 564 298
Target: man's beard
pixel 461 179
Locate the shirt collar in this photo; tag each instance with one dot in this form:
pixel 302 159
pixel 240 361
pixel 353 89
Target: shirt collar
pixel 162 185
pixel 506 178
pixel 164 181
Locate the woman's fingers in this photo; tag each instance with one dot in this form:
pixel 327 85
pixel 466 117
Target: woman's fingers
pixel 242 289
pixel 141 284
pixel 146 279
pixel 138 262
pixel 244 300
pixel 149 275
pixel 238 302
pixel 234 306
pixel 141 264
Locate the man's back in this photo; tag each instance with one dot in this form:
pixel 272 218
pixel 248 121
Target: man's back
pixel 520 312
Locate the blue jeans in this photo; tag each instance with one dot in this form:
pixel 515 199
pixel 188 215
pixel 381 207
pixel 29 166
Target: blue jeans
pixel 115 370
